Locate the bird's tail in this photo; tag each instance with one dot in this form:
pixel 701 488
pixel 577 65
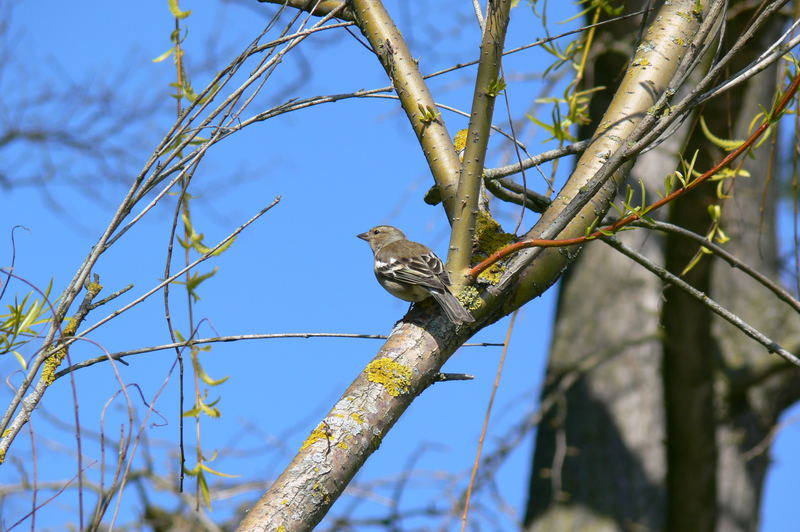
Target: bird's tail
pixel 452 307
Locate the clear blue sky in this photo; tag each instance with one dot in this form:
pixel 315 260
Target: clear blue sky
pixel 269 281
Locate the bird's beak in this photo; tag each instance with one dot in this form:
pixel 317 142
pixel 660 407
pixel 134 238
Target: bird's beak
pixel 364 236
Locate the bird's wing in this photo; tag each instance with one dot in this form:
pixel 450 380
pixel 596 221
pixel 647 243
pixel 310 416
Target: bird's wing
pixel 417 265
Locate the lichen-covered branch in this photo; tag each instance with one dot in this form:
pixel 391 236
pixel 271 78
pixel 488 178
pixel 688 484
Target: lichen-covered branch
pixel 340 444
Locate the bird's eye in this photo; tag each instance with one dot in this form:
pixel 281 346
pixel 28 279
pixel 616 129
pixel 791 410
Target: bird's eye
pixel 375 231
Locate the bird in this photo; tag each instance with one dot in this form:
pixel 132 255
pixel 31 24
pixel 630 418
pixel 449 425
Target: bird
pixel 411 271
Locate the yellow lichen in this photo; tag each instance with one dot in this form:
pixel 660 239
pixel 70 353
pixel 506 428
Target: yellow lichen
pixel 490 237
pixel 395 377
pixel 356 417
pixel 70 327
pixel 460 142
pixel 342 445
pixel 55 360
pixel 94 288
pixel 321 492
pixel 317 434
pixel 470 297
pixel 281 529
pixel 51 365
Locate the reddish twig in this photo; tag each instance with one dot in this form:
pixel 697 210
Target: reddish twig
pixel 476 270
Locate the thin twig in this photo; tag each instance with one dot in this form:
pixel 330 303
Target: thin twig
pixel 183 270
pixel 234 338
pixel 536 160
pixel 110 297
pixel 486 421
pixel 508 190
pixel 733 261
pixel 476 5
pixel 318 8
pixel 445 377
pixel 730 317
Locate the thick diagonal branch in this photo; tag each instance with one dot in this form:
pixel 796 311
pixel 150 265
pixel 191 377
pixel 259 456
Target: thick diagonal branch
pixel 336 449
pixel 669 44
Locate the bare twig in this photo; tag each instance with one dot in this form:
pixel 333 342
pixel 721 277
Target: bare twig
pixel 485 427
pixel 730 317
pixel 733 261
pixel 536 160
pixel 507 190
pixel 317 7
pixel 476 5
pixel 221 339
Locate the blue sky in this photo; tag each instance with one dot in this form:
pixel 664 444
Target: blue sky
pixel 298 269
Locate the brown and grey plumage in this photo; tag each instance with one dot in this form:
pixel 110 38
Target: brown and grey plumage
pixel 411 271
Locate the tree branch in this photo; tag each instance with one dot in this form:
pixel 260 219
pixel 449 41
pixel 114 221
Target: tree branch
pixel 734 262
pixel 536 160
pixel 316 7
pixel 415 98
pixel 336 449
pixel 508 190
pixel 234 338
pixel 730 317
pixel 488 84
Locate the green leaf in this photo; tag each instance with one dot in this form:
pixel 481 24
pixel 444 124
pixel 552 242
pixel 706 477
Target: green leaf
pixel 692 263
pixel 176 11
pixel 163 56
pixel 20 359
pixel 217 473
pixel 194 412
pixel 204 376
pixel 194 281
pixel 210 411
pixel 725 144
pixel 224 247
pixel 202 486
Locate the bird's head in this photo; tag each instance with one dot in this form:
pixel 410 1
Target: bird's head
pixel 381 235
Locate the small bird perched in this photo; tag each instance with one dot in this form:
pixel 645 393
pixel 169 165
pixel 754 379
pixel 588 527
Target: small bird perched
pixel 411 271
